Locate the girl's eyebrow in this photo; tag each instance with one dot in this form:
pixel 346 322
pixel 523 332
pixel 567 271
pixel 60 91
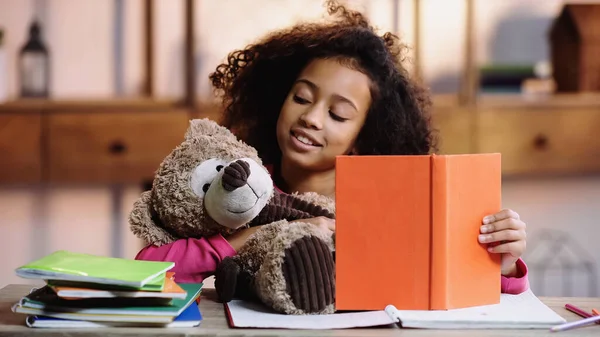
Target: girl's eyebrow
pixel 316 88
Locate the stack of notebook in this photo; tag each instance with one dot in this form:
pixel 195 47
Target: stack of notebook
pixel 83 290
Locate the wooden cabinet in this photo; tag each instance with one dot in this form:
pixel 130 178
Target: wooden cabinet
pixel 20 148
pixel 556 135
pixel 107 147
pixel 112 142
pixel 541 141
pixel 65 142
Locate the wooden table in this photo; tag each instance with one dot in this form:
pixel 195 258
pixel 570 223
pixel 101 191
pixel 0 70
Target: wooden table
pixel 215 324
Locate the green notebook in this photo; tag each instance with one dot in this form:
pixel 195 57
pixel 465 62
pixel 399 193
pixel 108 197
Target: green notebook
pixel 69 266
pixel 156 284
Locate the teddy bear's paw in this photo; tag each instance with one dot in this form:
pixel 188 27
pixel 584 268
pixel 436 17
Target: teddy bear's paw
pixel 309 273
pixel 226 279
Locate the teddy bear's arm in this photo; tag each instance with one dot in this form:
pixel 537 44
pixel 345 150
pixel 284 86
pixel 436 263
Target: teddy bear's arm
pixel 289 207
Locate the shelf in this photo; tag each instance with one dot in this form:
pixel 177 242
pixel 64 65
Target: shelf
pixel 86 105
pixel 555 101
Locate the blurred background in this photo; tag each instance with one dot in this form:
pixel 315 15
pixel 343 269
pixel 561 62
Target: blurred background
pixel 94 94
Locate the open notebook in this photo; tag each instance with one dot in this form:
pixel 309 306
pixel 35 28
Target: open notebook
pixel 523 311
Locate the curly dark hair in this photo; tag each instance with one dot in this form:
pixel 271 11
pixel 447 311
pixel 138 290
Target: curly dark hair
pixel 255 81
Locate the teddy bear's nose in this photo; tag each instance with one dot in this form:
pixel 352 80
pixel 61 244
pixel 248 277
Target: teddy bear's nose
pixel 236 175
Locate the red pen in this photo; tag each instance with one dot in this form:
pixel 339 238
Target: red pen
pixel 578 311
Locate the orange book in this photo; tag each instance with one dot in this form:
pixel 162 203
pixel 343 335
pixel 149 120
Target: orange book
pixel 406 231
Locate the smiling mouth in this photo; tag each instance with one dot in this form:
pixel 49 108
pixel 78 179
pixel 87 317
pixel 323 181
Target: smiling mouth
pixel 304 140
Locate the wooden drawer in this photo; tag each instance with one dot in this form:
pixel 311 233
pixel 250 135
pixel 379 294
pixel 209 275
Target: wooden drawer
pixel 542 141
pixel 20 155
pixel 115 147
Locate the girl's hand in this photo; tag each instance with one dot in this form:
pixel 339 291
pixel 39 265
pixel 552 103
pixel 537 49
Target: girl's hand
pixel 505 234
pixel 322 222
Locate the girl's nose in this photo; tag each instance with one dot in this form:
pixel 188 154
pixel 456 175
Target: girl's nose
pixel 313 118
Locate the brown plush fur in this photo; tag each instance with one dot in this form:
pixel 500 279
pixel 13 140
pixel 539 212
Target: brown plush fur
pixel 171 200
pixel 263 254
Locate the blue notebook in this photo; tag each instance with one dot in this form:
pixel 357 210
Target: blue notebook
pixel 190 317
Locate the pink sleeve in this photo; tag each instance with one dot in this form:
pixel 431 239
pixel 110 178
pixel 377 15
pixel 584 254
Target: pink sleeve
pixel 195 259
pixel 517 284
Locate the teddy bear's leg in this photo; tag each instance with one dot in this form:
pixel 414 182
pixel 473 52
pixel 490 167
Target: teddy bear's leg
pixel 226 279
pixel 232 280
pixel 298 273
pixel 234 276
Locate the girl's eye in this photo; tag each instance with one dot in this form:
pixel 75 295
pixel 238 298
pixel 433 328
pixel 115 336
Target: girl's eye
pixel 336 117
pixel 300 100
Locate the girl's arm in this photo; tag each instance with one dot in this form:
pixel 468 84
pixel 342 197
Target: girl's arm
pixel 518 283
pixel 195 259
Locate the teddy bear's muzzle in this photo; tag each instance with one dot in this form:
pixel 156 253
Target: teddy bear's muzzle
pixel 238 193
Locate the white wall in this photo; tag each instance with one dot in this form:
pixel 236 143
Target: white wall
pixel 553 208
pixel 35 223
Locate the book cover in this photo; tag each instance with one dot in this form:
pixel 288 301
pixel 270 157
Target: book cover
pixel 407 227
pixel 72 266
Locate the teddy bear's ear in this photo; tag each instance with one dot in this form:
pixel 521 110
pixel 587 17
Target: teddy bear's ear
pixel 206 127
pixel 143 226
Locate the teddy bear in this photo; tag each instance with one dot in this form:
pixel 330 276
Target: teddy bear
pixel 290 268
pixel 213 183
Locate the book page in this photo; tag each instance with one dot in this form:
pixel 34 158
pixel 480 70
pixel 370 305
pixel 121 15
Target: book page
pixel 243 314
pixel 523 311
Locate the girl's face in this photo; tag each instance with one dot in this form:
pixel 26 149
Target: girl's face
pixel 322 114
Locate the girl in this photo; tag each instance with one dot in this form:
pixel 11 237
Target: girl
pixel 306 94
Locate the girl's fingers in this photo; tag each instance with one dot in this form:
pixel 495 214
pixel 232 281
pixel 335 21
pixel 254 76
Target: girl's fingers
pixel 504 235
pixel 503 214
pixel 509 223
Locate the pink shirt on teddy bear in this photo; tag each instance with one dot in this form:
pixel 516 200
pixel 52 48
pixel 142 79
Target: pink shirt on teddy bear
pixel 195 259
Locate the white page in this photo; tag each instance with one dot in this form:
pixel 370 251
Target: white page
pixel 253 315
pixel 523 311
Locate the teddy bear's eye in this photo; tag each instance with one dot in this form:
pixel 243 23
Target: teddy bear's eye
pixel 203 175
